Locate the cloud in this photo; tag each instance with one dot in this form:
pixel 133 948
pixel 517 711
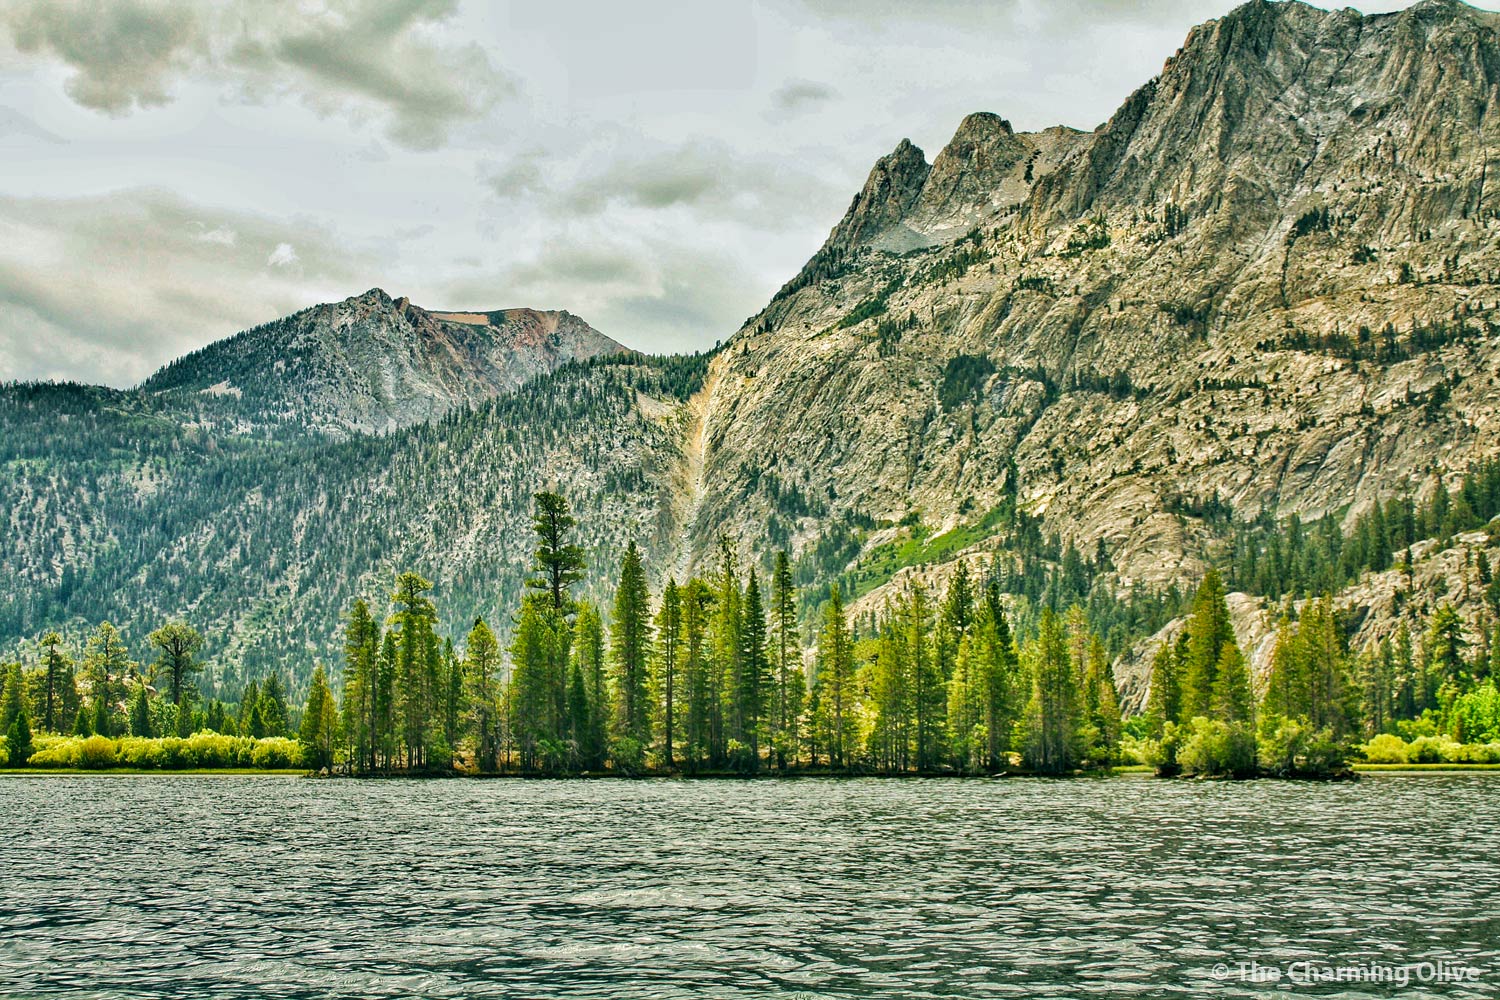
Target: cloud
pixel 650 294
pixel 108 288
pixel 348 57
pixel 802 95
pixel 706 178
pixel 124 52
pixel 283 256
pixel 518 178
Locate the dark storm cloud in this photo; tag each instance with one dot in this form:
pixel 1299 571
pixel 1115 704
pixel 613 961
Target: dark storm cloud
pixel 353 56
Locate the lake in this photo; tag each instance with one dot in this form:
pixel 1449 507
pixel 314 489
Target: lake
pixel 178 886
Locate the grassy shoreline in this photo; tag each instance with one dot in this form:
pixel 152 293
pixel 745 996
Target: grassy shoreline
pixel 1126 771
pixel 130 772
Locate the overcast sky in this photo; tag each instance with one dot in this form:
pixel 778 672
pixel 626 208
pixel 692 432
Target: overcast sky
pixel 172 171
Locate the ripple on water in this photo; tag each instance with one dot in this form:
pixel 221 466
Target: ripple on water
pixel 265 887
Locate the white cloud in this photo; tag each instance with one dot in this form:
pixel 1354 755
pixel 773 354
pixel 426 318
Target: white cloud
pixel 349 57
pixel 283 256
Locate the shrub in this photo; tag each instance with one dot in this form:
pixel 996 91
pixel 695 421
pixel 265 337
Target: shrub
pixel 209 749
pixel 142 752
pixel 627 755
pixel 1387 748
pixel 1431 750
pixel 96 753
pixel 1214 747
pixel 1162 754
pixel 1325 755
pixel 276 753
pixel 1476 753
pixel 176 753
pixel 56 751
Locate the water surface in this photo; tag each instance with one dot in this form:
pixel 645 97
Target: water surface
pixel 159 886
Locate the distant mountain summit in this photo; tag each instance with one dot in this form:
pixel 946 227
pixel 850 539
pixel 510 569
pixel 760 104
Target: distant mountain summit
pixel 374 363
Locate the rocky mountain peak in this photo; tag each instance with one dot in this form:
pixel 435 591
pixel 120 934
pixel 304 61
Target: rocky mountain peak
pixel 889 193
pixel 372 363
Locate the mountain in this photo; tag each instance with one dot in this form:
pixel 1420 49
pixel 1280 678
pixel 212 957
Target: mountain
pixel 1084 364
pixel 1266 280
pixel 373 363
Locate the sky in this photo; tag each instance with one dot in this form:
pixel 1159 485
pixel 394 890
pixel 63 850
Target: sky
pixel 173 171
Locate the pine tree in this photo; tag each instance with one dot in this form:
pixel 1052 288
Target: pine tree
pixel 140 713
pixel 590 664
pixel 725 648
pixel 361 652
pixel 665 686
pixel 1102 702
pixel 890 689
pixel 275 720
pixel 106 664
pixel 835 681
pixel 1164 701
pixel 538 697
pixel 700 693
pixel 791 685
pixel 12 696
pixel 481 662
pixel 413 622
pixel 177 642
pixel 1053 714
pixel 1232 700
pixel 18 740
pixel 929 701
pixel 754 676
pixel 384 732
pixel 630 649
pixel 250 708
pixel 1445 647
pixel 1209 631
pixel 559 563
pixel 319 724
pixel 454 700
pixel 1000 681
pixel 83 724
pixel 57 675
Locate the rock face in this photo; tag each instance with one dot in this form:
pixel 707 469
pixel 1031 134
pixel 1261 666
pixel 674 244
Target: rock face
pixel 1268 284
pixel 1267 281
pixel 373 363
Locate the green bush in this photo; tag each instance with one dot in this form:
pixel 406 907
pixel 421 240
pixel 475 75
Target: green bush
pixel 1431 750
pixel 1476 753
pixel 210 749
pixel 96 753
pixel 1217 748
pixel 1162 753
pixel 276 753
pixel 143 752
pixel 1387 748
pixel 55 751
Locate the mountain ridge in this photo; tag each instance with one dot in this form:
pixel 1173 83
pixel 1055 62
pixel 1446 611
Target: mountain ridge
pixel 373 363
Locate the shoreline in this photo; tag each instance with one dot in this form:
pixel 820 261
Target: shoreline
pixel 1136 771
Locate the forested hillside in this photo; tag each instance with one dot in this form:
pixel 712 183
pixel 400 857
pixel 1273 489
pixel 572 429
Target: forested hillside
pixel 1249 323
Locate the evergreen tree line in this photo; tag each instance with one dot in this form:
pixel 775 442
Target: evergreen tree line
pixel 1320 700
pixel 709 675
pixel 109 694
pixel 1292 558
